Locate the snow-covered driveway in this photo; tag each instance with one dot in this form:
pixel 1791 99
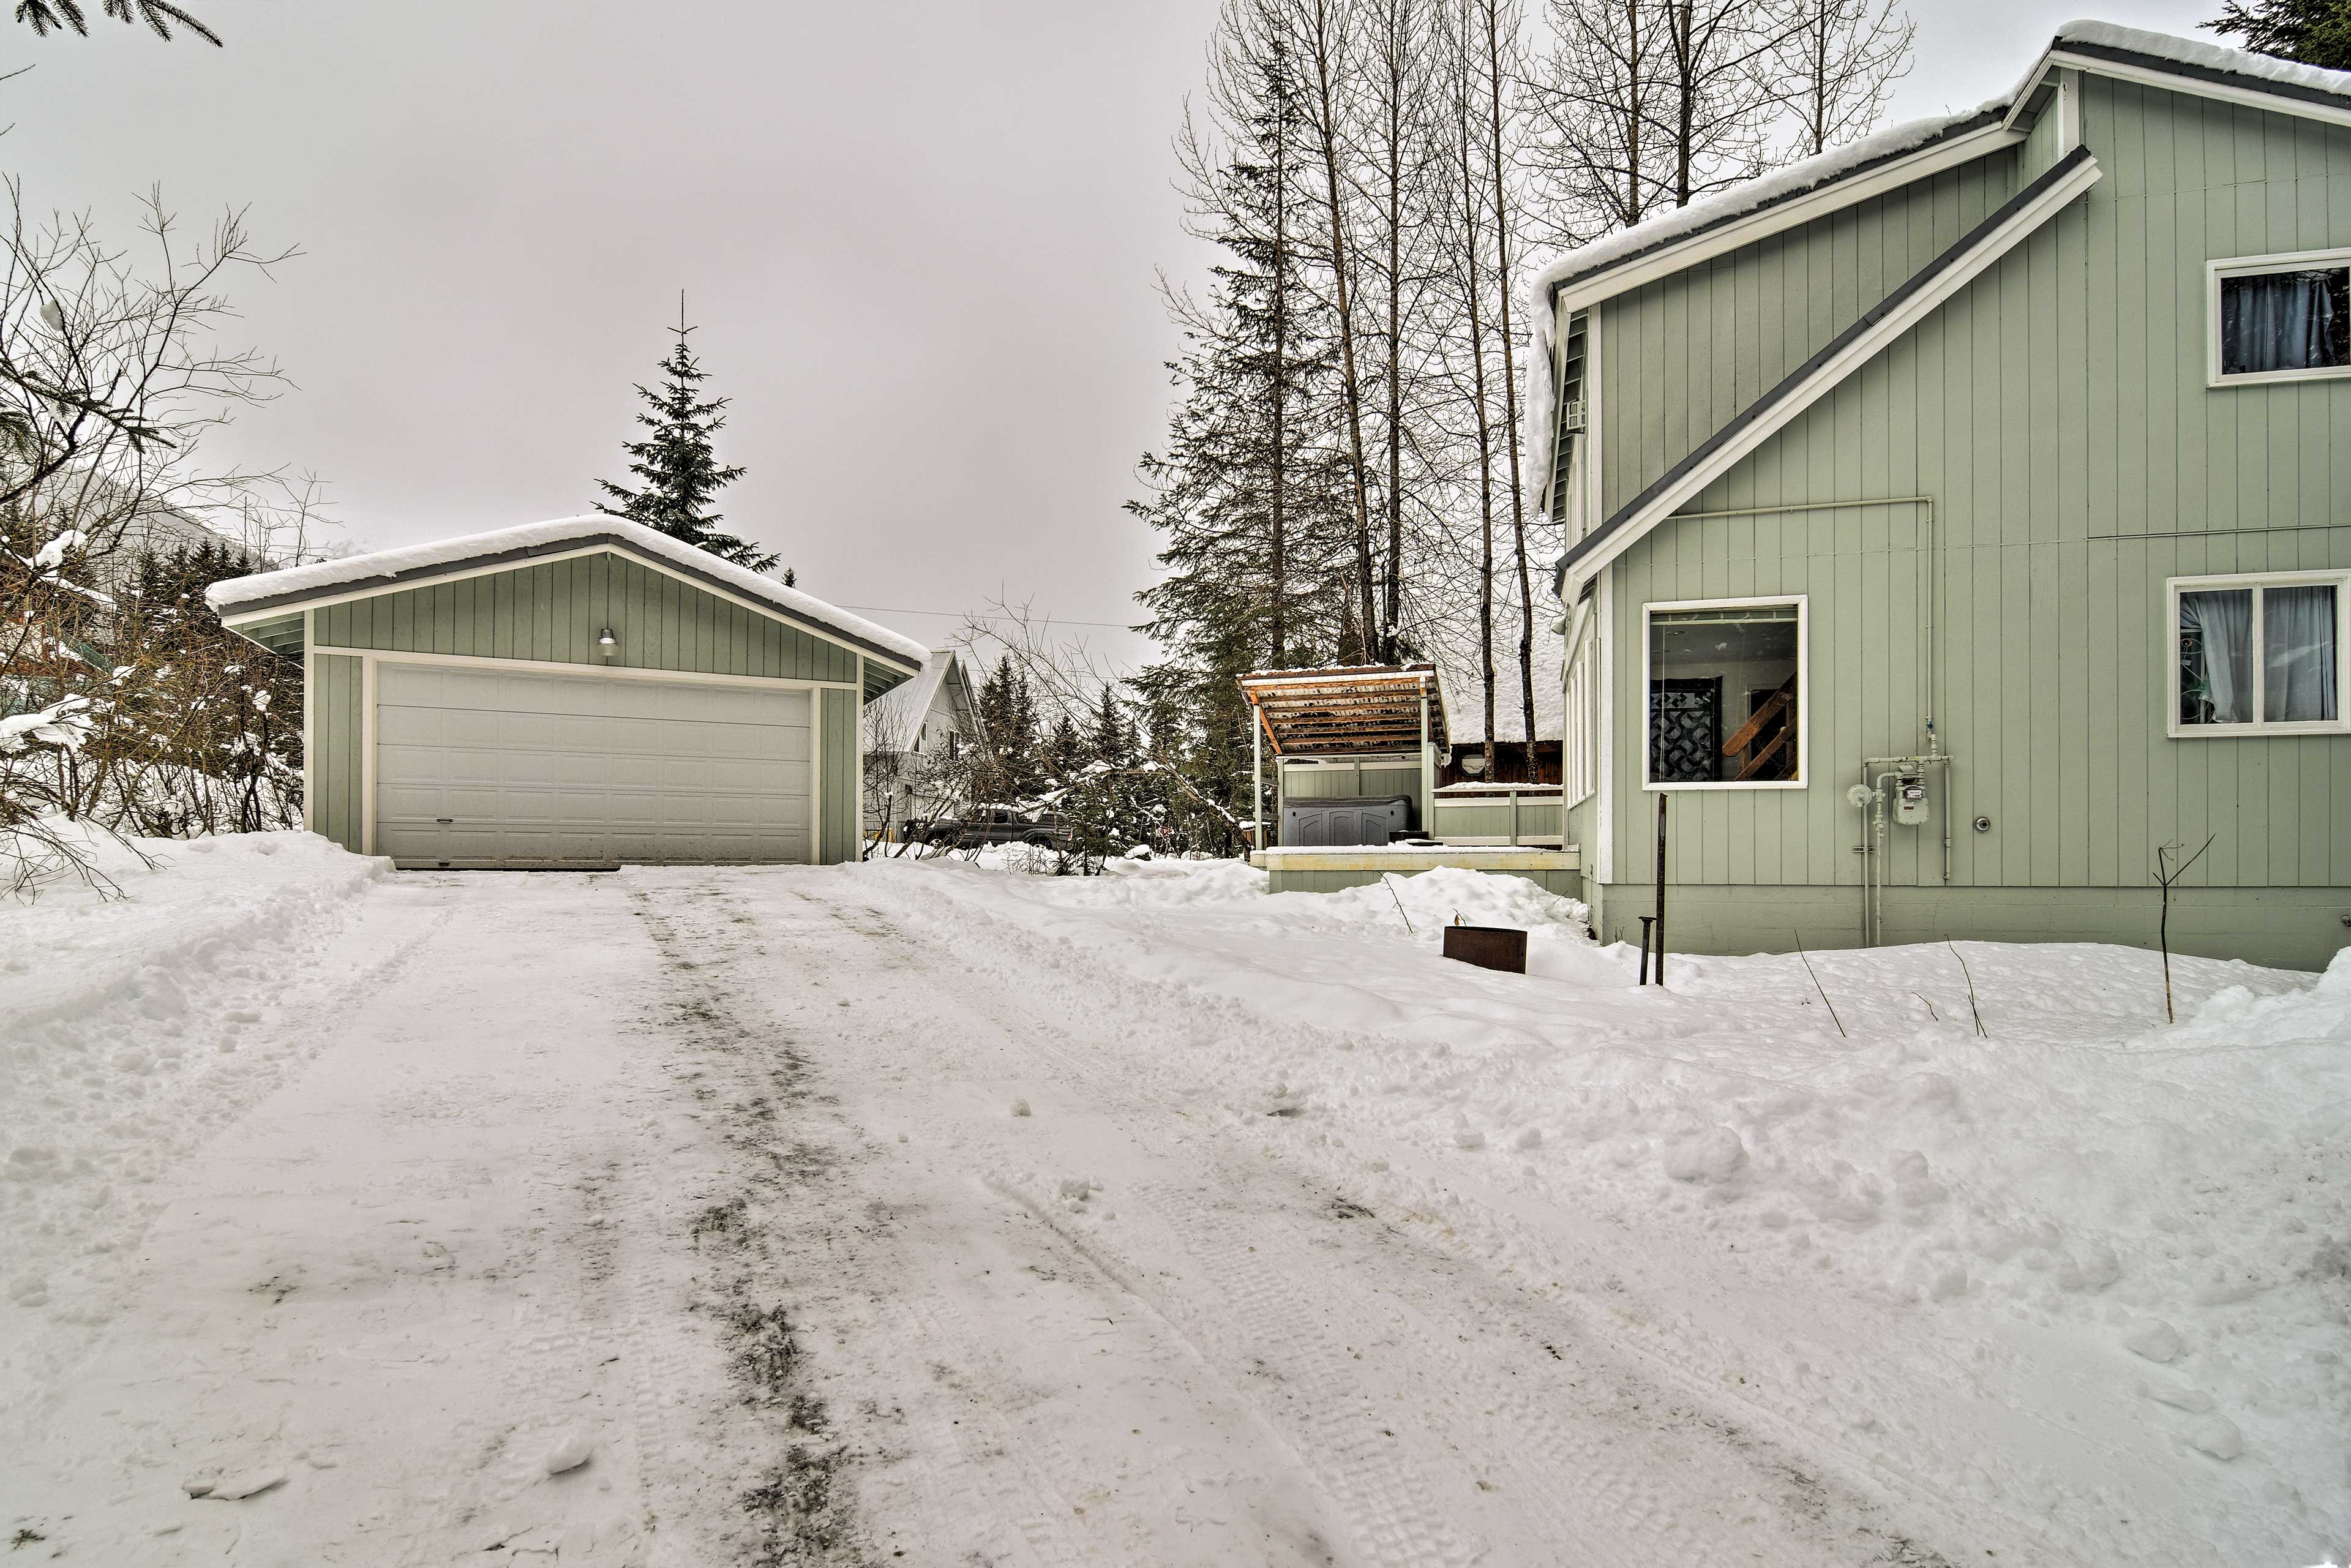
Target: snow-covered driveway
pixel 773 1215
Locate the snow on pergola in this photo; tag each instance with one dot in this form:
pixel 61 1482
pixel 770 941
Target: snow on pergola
pixel 1351 711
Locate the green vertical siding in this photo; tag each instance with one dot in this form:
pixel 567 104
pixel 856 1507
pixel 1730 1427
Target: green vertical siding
pixel 334 760
pixel 837 764
pixel 556 611
pixel 2056 413
pixel 1683 355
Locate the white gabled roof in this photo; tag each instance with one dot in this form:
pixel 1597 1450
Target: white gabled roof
pixel 909 704
pixel 294 585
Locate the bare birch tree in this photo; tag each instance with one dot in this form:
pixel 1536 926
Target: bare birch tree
pixel 1836 65
pixel 1329 50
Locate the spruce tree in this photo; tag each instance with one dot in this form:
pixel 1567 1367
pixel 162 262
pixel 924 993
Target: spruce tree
pixel 1065 753
pixel 2314 32
pixel 1111 741
pixel 678 473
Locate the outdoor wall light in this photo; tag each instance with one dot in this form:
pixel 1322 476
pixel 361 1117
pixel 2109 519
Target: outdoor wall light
pixel 606 641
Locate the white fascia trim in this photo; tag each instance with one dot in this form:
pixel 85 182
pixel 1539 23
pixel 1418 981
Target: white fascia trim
pixel 309 727
pixel 1792 213
pixel 2177 81
pixel 368 701
pixel 1863 348
pixel 583 672
pixel 459 573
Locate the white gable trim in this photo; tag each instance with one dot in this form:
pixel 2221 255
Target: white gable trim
pixel 380 587
pixel 1678 255
pixel 2269 99
pixel 1951 272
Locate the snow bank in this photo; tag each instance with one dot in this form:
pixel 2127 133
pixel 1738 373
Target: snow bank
pixel 2095 1268
pixel 379 564
pixel 131 1028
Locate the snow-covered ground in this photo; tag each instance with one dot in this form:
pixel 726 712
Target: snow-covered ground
pixel 939 1210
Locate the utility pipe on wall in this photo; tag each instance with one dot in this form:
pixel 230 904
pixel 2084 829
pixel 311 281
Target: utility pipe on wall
pixel 1870 796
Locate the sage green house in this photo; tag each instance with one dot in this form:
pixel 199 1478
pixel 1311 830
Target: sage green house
pixel 571 695
pixel 1957 519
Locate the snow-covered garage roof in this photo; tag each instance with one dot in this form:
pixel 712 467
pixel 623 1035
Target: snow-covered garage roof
pixel 296 585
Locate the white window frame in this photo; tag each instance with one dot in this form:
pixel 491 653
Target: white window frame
pixel 2249 266
pixel 1803 779
pixel 2339 725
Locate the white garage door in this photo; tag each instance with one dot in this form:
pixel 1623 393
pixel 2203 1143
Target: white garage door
pixel 480 768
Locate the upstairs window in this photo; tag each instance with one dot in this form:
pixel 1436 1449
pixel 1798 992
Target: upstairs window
pixel 1727 705
pixel 2259 655
pixel 2281 318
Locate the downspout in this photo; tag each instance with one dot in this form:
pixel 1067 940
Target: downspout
pixel 1428 770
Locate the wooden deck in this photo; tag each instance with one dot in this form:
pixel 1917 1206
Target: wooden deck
pixel 1300 870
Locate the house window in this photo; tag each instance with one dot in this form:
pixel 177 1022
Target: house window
pixel 2281 318
pixel 2259 655
pixel 1726 695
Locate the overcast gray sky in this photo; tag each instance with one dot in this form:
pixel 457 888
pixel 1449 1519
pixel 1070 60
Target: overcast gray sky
pixel 919 239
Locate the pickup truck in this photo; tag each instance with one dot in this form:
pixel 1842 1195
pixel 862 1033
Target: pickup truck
pixel 999 825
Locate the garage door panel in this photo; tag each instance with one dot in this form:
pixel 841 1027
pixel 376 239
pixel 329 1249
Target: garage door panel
pixel 586 771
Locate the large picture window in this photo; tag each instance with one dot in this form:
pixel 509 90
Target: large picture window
pixel 1725 683
pixel 2281 318
pixel 2255 654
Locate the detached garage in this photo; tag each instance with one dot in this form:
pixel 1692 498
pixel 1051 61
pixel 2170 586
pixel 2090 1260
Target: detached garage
pixel 573 695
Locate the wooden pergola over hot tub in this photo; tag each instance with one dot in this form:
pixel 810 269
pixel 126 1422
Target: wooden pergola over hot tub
pixel 1366 729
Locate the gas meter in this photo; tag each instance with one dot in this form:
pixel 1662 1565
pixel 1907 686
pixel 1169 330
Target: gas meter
pixel 1910 800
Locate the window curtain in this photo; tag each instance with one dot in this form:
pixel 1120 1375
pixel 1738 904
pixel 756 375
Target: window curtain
pixel 2276 321
pixel 2298 654
pixel 2216 657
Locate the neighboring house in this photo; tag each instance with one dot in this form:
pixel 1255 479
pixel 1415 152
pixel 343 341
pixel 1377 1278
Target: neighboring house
pixel 1355 753
pixel 1453 647
pixel 2000 463
pixel 1516 801
pixel 574 693
pixel 915 737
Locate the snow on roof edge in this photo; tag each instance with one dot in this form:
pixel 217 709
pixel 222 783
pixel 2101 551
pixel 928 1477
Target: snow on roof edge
pixel 1837 162
pixel 1538 415
pixel 2195 52
pixel 1753 195
pixel 354 571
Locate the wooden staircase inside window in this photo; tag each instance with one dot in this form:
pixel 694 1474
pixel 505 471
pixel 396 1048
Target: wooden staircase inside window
pixel 1771 758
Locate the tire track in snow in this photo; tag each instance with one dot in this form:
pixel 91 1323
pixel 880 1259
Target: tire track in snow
pixel 993 1455
pixel 1595 1485
pixel 1013 1489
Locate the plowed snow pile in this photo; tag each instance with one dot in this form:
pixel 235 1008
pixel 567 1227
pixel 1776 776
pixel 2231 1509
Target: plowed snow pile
pixel 129 1031
pixel 2073 1265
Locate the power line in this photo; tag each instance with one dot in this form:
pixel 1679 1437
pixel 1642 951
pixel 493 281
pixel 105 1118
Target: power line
pixel 965 615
